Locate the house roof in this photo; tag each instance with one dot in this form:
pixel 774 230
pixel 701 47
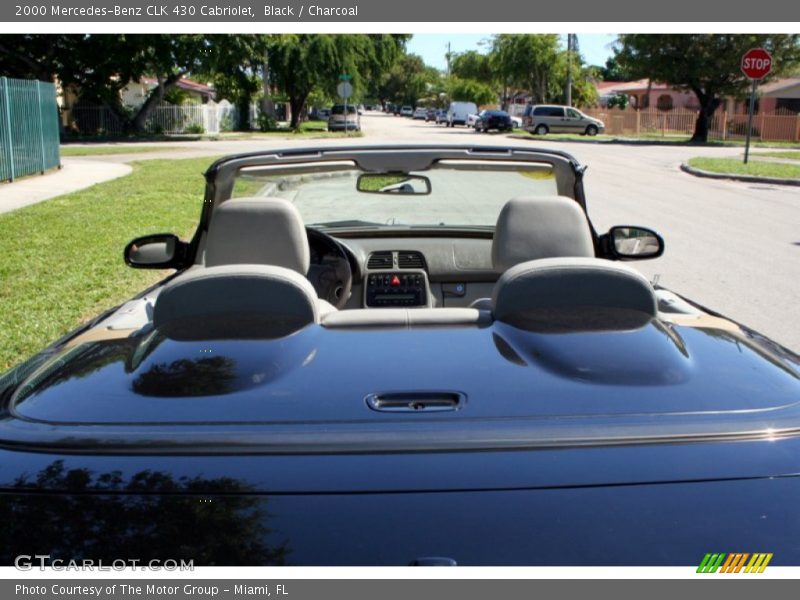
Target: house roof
pixel 185 84
pixel 774 88
pixel 604 86
pixel 778 87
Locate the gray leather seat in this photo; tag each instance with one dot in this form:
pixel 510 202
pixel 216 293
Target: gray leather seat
pixel 253 283
pixel 534 227
pixel 579 293
pixel 236 301
pixel 257 231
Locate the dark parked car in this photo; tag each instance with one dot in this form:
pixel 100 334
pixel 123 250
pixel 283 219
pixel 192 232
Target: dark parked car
pixel 402 355
pixel 493 119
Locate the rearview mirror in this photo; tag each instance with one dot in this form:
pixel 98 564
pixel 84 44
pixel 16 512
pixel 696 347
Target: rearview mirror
pixel 388 183
pixel 630 242
pixel 157 251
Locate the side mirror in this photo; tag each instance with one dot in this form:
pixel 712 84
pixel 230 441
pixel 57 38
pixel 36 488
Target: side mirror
pixel 157 251
pixel 630 242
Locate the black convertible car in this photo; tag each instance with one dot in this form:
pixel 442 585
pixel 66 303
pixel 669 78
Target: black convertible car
pixel 402 355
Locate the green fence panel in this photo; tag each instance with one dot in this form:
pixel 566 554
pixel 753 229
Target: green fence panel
pixel 29 128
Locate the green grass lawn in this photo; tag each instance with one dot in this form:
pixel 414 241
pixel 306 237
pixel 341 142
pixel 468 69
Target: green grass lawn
pixel 736 166
pixel 781 154
pixel 107 150
pixel 62 259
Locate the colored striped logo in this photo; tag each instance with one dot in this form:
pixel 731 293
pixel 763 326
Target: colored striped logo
pixel 734 562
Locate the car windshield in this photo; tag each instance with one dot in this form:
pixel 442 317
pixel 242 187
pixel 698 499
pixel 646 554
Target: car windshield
pixel 339 109
pixel 458 197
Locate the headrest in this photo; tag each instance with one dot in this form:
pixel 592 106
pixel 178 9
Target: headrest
pixel 533 227
pixel 235 301
pixel 257 231
pixel 599 289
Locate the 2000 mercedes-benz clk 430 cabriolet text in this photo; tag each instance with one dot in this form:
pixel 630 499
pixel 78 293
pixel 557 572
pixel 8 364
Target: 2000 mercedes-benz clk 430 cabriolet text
pixel 402 355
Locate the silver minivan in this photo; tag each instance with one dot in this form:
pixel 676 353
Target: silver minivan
pixel 341 120
pixel 551 118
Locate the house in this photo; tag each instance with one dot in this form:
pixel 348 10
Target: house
pixel 135 93
pixel 781 95
pixel 645 93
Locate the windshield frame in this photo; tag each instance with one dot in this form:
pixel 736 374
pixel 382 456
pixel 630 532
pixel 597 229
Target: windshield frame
pixel 222 174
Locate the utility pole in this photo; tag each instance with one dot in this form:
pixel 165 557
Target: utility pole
pixel 447 56
pixel 570 47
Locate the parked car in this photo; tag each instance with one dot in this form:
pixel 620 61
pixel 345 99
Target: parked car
pixel 493 119
pixel 516 122
pixel 471 119
pixel 420 113
pixel 441 116
pixel 380 355
pixel 542 119
pixel 406 111
pixel 344 120
pixel 322 114
pixel 459 112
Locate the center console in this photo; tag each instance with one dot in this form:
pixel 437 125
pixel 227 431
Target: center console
pixel 396 288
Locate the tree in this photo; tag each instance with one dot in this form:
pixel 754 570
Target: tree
pixel 473 65
pixel 618 101
pixel 529 62
pixel 100 66
pixel 299 63
pixel 236 65
pixel 584 92
pixel 706 64
pixel 614 71
pixel 36 56
pixel 469 90
pixel 407 81
pixel 168 58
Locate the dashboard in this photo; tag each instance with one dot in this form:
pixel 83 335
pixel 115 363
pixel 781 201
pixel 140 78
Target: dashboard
pixel 407 272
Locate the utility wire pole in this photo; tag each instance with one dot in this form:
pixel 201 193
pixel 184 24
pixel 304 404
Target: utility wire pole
pixel 570 48
pixel 447 56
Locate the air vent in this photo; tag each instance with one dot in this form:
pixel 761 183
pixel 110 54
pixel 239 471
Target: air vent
pixel 380 260
pixel 410 260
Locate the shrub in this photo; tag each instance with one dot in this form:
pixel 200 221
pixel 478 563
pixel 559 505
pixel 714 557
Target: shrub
pixel 266 122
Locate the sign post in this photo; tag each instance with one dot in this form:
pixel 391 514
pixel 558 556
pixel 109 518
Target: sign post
pixel 756 64
pixel 345 90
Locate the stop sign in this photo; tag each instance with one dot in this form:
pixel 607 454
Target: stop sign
pixel 756 63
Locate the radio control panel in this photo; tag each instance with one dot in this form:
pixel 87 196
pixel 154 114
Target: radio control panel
pixel 396 289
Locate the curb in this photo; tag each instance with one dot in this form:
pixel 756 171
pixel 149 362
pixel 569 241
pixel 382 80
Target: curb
pixel 735 177
pixel 614 141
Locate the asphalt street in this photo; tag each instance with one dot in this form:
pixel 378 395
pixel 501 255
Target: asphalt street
pixel 733 247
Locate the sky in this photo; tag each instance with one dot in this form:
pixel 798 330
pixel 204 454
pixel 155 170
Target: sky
pixel 595 47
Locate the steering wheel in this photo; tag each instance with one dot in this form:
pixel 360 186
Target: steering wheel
pixel 333 280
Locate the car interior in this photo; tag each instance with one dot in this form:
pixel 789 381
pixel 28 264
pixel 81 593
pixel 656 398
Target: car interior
pixel 258 270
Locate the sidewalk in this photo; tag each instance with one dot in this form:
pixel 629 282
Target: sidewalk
pixel 76 174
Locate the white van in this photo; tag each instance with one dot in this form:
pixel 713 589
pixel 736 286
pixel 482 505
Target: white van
pixel 459 112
